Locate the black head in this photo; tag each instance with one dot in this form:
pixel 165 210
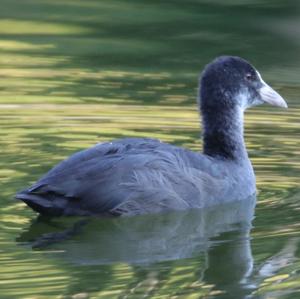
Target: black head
pixel 231 82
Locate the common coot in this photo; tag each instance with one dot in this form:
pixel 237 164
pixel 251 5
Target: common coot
pixel 135 176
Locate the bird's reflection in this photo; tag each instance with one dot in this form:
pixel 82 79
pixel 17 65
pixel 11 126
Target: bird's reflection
pixel 219 233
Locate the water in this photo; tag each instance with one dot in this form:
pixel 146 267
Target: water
pixel 80 72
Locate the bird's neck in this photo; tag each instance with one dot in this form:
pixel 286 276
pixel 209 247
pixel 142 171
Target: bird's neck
pixel 223 134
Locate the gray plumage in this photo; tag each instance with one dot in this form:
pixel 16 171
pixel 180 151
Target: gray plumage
pixel 136 176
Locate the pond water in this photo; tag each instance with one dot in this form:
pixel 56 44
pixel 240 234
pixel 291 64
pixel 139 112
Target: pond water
pixel 74 73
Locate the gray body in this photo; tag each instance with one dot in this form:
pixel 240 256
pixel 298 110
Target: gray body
pixel 135 176
pixel 138 176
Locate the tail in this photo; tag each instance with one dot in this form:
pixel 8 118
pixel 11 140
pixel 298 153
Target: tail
pixel 40 203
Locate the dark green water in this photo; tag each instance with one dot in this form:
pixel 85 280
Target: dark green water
pixel 73 73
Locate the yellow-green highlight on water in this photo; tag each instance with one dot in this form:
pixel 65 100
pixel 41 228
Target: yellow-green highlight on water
pixel 74 73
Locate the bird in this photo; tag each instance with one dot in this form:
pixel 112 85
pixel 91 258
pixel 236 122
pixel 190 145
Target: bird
pixel 134 176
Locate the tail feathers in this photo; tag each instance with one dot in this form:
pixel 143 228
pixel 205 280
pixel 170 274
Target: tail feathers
pixel 40 204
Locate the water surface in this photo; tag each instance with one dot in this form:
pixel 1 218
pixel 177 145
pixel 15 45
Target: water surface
pixel 75 73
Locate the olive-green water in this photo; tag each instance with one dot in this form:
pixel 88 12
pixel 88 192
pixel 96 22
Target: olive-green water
pixel 74 73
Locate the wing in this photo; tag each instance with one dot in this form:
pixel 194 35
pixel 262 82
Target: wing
pixel 89 181
pixel 127 176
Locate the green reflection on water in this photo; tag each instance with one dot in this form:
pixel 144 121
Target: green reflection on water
pixel 74 73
